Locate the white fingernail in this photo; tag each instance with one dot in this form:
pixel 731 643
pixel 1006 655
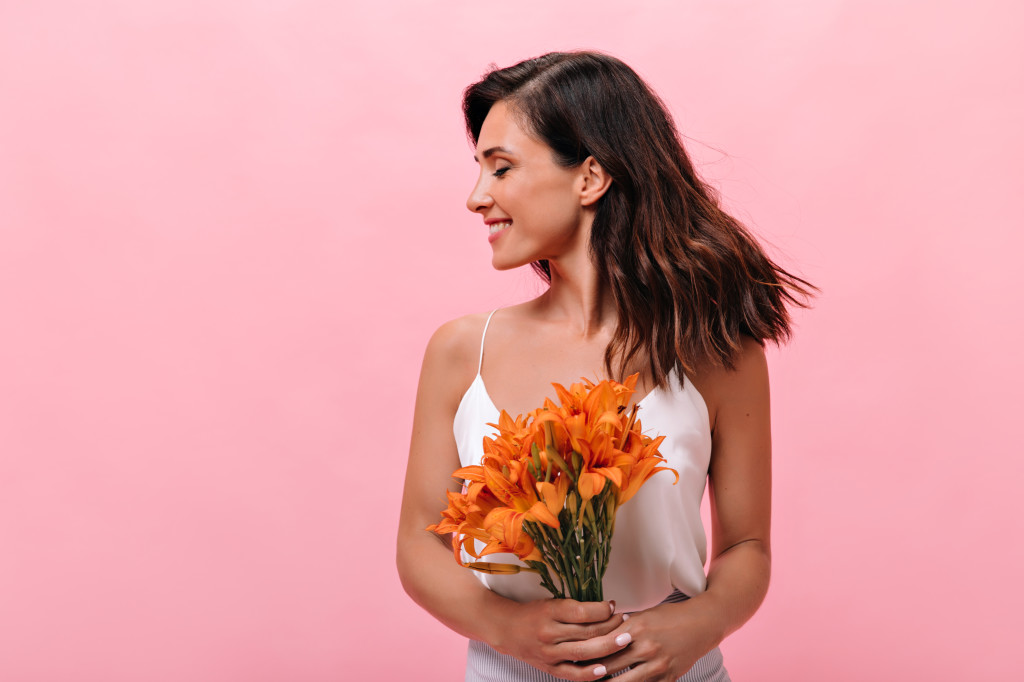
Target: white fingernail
pixel 600 671
pixel 624 639
pixel 625 616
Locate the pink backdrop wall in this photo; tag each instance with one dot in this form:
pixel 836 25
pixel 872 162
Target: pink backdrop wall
pixel 227 230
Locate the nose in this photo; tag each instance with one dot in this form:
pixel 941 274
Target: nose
pixel 479 199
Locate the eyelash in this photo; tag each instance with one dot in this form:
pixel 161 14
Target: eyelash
pixel 501 171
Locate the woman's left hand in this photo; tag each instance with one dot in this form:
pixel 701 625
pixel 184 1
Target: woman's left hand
pixel 665 642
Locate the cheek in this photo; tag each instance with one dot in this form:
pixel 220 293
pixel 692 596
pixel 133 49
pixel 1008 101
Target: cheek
pixel 560 209
pixel 553 203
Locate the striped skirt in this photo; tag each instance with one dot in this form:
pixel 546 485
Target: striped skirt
pixel 484 664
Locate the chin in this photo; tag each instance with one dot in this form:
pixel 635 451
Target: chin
pixel 507 265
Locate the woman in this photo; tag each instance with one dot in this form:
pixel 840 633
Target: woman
pixel 582 176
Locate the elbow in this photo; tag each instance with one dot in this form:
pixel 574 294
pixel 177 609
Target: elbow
pixel 404 563
pixel 749 544
pixel 413 552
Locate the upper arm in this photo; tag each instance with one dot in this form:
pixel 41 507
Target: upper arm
pixel 448 365
pixel 740 470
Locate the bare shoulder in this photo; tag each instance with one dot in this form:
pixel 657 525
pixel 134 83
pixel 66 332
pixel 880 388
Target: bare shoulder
pixel 458 340
pixel 745 383
pixel 750 365
pixel 450 359
pixel 455 337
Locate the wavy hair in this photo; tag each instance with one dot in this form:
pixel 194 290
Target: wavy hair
pixel 686 278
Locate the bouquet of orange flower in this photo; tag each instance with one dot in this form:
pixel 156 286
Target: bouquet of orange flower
pixel 549 485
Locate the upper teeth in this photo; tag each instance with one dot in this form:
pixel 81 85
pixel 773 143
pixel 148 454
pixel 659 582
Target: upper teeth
pixel 498 227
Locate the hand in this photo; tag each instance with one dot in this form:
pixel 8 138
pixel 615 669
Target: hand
pixel 555 635
pixel 663 643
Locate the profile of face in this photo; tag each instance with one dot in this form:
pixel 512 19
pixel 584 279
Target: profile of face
pixel 534 208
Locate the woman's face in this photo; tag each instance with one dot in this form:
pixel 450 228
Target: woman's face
pixel 530 205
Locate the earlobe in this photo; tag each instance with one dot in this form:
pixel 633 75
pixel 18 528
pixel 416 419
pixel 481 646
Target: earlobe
pixel 596 181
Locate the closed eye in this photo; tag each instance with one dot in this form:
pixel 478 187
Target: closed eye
pixel 501 171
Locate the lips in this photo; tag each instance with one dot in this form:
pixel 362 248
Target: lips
pixel 497 228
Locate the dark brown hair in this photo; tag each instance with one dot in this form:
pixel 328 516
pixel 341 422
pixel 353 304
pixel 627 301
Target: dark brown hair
pixel 687 279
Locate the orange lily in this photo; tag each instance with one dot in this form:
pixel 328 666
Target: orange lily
pixel 546 468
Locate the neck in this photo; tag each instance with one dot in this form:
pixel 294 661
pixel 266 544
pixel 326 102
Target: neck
pixel 578 294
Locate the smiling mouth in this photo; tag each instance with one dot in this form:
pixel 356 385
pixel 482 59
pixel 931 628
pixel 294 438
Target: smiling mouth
pixel 495 228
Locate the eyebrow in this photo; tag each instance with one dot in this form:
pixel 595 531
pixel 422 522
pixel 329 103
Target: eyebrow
pixel 488 153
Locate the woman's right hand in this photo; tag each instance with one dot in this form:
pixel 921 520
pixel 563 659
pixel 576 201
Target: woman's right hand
pixel 559 636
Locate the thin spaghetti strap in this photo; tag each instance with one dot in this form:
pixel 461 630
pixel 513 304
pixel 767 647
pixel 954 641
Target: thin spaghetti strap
pixel 480 365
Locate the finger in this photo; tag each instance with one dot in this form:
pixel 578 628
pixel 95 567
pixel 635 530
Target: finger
pixel 572 671
pixel 572 632
pixel 626 653
pixel 621 660
pixel 638 673
pixel 572 611
pixel 632 669
pixel 597 649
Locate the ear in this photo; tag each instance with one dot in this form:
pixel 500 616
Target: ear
pixel 596 181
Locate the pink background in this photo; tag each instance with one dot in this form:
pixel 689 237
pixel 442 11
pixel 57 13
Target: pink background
pixel 227 230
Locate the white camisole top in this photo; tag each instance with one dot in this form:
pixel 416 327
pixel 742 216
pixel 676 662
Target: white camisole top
pixel 659 543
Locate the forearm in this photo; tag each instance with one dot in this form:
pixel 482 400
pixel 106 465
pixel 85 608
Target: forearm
pixel 449 592
pixel 737 584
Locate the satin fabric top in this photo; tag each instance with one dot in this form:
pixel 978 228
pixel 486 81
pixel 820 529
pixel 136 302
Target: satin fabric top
pixel 659 544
